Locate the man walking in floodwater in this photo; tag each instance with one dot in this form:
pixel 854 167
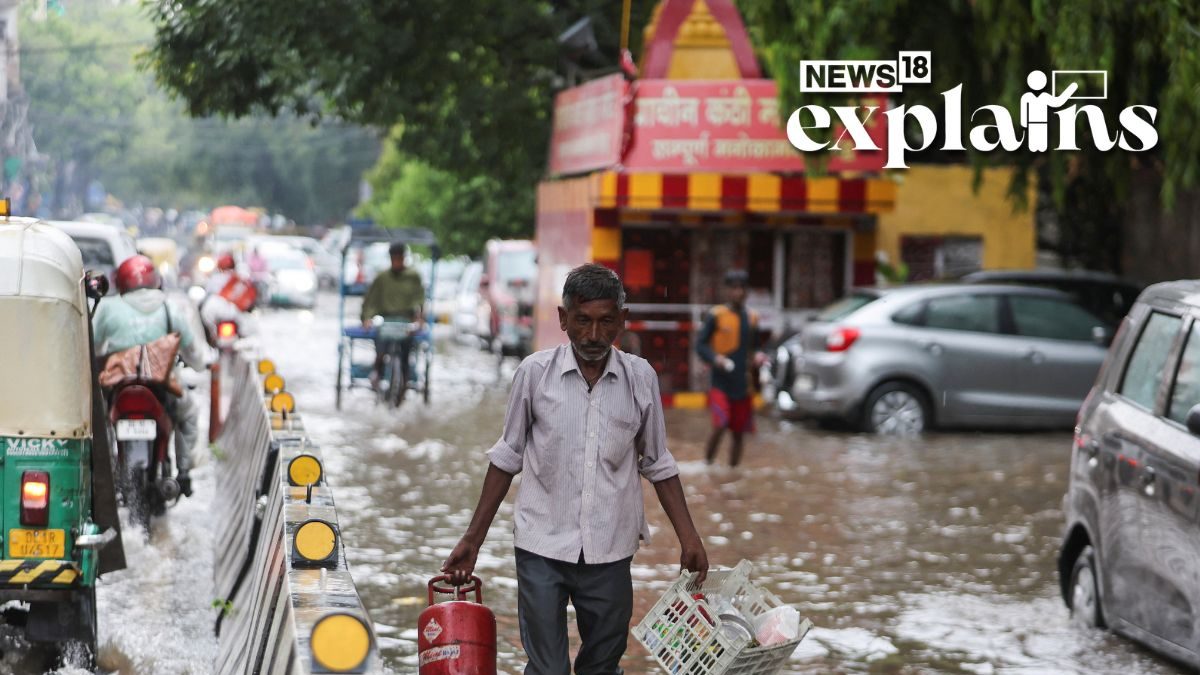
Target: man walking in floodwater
pixel 727 344
pixel 584 421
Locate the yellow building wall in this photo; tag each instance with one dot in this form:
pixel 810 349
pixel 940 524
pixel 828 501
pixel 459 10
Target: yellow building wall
pixel 940 200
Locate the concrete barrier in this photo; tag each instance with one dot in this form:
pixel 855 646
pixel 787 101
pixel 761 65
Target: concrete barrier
pixel 286 601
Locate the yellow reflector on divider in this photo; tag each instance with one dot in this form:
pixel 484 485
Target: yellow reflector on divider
pixel 266 366
pixel 340 643
pixel 273 383
pixel 283 401
pixel 304 470
pixel 315 542
pixel 5 208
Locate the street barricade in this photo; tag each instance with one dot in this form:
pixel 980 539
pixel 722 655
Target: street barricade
pixel 286 601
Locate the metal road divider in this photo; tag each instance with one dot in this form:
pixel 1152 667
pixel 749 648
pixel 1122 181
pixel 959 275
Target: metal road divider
pixel 286 601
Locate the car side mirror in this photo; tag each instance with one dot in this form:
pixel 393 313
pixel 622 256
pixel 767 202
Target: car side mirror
pixel 1193 420
pixel 1101 336
pixel 95 285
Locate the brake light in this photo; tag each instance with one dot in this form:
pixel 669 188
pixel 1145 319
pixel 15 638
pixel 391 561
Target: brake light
pixel 137 402
pixel 841 339
pixel 35 498
pixel 362 275
pixel 226 330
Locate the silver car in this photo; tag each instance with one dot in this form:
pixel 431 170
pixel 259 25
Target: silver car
pixel 293 277
pixel 898 361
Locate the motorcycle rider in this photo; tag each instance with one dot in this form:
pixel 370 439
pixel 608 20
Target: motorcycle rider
pixel 216 307
pixel 138 316
pixel 225 272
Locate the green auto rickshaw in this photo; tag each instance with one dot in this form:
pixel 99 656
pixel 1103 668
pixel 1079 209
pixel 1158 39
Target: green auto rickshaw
pixel 58 517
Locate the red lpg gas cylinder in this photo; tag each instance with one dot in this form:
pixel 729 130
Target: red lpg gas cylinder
pixel 457 637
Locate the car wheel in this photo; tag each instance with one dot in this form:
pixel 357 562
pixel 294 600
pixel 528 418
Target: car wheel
pixel 895 409
pixel 1085 591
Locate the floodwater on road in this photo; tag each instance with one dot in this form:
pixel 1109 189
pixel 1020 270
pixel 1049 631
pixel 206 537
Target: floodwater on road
pixel 928 555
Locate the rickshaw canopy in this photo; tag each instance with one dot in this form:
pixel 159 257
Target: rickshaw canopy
pixel 44 347
pixel 398 235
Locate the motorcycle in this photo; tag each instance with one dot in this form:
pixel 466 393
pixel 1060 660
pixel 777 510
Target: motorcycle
pixel 223 314
pixel 146 481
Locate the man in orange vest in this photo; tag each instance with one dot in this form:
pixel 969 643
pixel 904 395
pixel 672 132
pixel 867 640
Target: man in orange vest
pixel 727 343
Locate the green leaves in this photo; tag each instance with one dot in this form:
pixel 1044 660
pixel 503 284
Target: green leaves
pixel 93 110
pixel 464 212
pixel 471 82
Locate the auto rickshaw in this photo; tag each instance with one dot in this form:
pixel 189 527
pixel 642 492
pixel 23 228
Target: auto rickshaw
pixel 58 512
pixel 165 254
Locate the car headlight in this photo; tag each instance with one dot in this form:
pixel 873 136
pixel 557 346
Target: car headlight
pixel 206 264
pixel 304 284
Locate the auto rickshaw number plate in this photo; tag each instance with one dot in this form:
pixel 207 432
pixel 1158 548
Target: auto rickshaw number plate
pixel 36 543
pixel 136 430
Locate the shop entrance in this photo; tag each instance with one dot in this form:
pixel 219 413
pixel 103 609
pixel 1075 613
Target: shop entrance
pixel 674 273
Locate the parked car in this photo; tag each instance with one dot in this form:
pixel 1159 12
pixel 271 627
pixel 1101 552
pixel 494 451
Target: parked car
pixel 467 302
pixel 104 247
pixel 292 277
pixel 445 285
pixel 328 265
pixel 1106 295
pixel 904 359
pixel 1130 552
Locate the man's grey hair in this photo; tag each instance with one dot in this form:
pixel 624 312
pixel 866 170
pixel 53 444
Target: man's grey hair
pixel 592 282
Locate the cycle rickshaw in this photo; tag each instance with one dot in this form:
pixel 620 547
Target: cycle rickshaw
pixel 399 375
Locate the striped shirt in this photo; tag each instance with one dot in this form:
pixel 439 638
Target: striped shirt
pixel 584 452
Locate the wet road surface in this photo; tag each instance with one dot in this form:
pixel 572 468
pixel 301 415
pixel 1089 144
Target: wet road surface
pixel 930 555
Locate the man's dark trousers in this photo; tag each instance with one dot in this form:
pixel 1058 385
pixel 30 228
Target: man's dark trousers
pixel 603 599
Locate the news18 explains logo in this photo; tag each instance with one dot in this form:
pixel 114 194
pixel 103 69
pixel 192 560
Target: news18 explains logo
pixel 992 126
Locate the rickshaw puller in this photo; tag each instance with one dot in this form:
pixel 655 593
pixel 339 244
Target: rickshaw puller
pixel 140 315
pixel 397 294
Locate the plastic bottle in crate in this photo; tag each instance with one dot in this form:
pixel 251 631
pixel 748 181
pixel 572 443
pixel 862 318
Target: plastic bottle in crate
pixel 684 641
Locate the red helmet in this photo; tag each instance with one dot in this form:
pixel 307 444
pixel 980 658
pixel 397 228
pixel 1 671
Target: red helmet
pixel 225 262
pixel 137 272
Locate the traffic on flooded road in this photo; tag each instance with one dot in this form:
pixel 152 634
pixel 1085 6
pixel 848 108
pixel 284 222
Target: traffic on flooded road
pixel 935 554
pixel 696 337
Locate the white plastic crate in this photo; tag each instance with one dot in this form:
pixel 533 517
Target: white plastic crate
pixel 686 640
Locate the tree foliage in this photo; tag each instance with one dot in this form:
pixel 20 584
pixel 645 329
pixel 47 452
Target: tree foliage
pixel 94 111
pixel 1150 49
pixel 464 212
pixel 79 91
pixel 470 82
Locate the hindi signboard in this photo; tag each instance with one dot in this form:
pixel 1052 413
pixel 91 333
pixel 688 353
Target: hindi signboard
pixel 589 126
pixel 731 126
